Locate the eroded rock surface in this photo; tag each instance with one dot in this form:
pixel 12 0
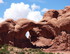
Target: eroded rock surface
pixel 53 24
pixel 13 32
pixel 53 31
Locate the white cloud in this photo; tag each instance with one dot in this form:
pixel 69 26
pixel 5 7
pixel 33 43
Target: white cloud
pixel 34 15
pixel 1 1
pixel 44 10
pixel 21 10
pixel 1 19
pixel 34 6
pixel 16 11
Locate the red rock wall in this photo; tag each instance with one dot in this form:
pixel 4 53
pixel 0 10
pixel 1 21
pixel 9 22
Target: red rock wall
pixel 52 32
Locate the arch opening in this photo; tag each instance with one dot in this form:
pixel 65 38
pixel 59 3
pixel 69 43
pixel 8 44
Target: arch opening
pixel 27 34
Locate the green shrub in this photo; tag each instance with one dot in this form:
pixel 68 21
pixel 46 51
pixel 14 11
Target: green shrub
pixel 20 53
pixel 4 50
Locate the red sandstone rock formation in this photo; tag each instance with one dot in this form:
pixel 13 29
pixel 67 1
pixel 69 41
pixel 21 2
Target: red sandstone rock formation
pixel 52 24
pixel 13 32
pixel 52 31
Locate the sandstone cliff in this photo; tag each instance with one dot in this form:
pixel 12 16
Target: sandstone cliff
pixel 52 32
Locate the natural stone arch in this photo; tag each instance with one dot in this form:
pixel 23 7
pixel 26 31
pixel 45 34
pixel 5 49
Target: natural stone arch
pixel 21 27
pixel 14 32
pixel 42 34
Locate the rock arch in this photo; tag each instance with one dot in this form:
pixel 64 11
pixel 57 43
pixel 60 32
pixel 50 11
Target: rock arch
pixel 13 32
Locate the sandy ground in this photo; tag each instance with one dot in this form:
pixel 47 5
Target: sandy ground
pixel 61 52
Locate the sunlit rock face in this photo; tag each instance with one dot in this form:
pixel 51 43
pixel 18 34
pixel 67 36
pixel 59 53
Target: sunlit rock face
pixel 52 32
pixel 54 26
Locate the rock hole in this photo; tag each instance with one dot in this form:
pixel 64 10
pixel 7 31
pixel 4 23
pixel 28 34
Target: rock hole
pixel 27 34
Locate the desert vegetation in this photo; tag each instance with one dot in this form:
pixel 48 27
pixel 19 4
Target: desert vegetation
pixel 5 49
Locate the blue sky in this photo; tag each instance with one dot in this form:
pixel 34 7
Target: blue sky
pixel 48 4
